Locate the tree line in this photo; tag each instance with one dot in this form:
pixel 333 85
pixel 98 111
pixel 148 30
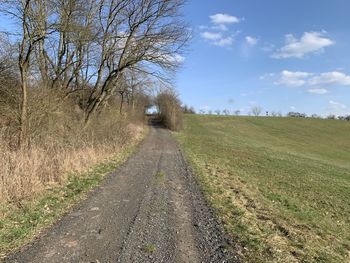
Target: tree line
pixel 257 111
pixel 94 51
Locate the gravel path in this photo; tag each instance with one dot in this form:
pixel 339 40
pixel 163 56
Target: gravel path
pixel 149 210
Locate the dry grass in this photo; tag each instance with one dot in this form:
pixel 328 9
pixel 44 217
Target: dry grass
pixel 25 173
pixel 20 224
pixel 60 147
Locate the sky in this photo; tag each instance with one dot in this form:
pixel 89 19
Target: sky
pixel 290 55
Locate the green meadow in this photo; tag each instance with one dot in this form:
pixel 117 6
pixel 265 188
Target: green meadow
pixel 281 186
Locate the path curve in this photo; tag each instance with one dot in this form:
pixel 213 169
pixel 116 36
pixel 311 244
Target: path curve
pixel 149 210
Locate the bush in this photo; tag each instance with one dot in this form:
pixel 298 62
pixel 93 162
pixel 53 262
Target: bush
pixel 170 109
pixel 59 143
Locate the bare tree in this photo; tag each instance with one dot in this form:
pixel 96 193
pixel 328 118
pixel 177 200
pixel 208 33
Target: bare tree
pixel 23 10
pixel 170 109
pixel 226 112
pixel 152 34
pixel 9 80
pixel 256 110
pixel 136 83
pixel 97 50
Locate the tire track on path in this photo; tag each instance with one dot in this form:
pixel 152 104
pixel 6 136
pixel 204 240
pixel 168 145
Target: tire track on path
pixel 149 210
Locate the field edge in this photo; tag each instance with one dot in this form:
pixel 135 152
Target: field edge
pixel 26 221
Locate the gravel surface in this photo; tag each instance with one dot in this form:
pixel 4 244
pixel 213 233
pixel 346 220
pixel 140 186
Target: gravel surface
pixel 149 210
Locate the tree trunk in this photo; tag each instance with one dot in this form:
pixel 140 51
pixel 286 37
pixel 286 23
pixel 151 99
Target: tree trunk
pixel 23 136
pixel 121 102
pixel 43 64
pixel 23 63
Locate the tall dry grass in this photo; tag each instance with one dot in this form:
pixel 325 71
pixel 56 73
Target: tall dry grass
pixel 59 145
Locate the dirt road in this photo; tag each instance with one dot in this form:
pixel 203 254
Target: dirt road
pixel 149 210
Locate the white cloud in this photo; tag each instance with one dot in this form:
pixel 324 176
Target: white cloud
pixel 292 79
pixel 338 108
pixel 220 27
pixel 218 34
pixel 310 42
pixel 224 42
pixel 176 58
pixel 337 105
pixel 319 91
pixel 218 39
pixel 314 81
pixel 251 41
pixel 205 108
pixel 267 76
pixel 211 36
pixel 224 19
pixel 335 78
pixel 292 107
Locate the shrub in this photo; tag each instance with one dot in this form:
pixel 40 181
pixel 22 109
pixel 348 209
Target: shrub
pixel 59 143
pixel 170 109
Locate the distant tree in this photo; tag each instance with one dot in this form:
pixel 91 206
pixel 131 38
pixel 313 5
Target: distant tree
pixel 201 111
pixel 226 112
pixel 210 112
pixel 184 108
pixel 188 109
pixel 331 117
pixel 256 110
pixel 218 112
pixel 237 112
pixel 296 114
pixel 315 116
pixel 344 118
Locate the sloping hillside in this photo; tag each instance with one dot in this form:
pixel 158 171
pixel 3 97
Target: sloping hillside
pixel 280 185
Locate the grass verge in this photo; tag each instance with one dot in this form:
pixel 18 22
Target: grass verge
pixel 20 222
pixel 280 186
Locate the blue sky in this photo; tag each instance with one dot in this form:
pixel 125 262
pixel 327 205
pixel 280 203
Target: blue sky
pixel 290 55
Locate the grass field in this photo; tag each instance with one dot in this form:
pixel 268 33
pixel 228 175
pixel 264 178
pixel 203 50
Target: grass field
pixel 281 186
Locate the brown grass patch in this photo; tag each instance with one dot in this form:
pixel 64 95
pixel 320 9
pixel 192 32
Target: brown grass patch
pixel 62 148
